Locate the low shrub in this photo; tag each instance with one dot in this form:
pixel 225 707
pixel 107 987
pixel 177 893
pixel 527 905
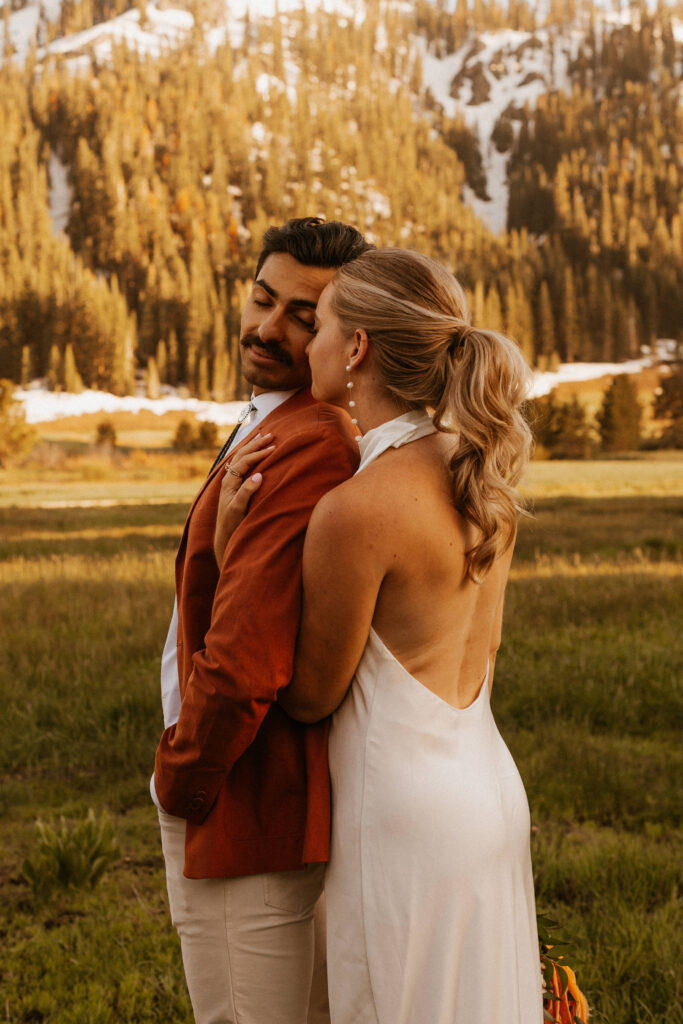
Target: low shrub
pixel 71 857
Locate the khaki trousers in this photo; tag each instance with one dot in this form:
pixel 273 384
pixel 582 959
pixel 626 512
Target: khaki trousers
pixel 253 947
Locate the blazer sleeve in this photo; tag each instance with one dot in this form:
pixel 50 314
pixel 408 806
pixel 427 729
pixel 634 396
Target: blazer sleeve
pixel 249 648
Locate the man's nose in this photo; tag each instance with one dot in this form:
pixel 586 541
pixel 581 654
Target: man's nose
pixel 271 329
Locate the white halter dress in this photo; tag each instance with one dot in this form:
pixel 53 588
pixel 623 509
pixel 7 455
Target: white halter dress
pixel 429 889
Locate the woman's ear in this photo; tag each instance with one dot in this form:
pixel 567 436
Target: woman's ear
pixel 360 348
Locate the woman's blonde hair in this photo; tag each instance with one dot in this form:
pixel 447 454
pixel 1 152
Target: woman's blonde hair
pixel 428 355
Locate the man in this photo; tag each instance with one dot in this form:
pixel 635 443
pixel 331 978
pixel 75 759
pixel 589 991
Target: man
pixel 242 790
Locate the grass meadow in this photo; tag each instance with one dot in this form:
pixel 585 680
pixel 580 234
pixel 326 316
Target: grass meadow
pixel 587 696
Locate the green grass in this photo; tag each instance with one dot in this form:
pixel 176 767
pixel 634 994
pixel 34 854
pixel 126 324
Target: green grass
pixel 587 695
pixel 607 529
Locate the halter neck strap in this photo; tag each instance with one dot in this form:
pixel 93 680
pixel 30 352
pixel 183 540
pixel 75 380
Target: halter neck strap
pixel 393 433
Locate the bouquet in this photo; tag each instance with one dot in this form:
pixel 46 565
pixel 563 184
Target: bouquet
pixel 563 1000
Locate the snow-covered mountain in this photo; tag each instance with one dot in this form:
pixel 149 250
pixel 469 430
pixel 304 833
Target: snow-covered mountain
pixel 491 74
pixel 502 71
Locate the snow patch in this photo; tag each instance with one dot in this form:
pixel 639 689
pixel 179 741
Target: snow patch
pixel 59 193
pixel 573 373
pixel 509 67
pixel 267 8
pixel 42 406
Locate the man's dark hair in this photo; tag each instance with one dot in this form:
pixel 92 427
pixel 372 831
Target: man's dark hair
pixel 314 242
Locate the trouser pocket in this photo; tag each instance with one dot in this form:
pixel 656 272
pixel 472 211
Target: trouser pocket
pixel 295 892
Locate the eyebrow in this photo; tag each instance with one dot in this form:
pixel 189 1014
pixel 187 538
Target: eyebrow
pixel 292 302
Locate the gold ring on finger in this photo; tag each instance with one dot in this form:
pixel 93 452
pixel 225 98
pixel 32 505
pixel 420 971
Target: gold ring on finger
pixel 233 472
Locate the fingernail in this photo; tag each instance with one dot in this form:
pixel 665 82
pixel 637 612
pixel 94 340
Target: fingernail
pixel 257 478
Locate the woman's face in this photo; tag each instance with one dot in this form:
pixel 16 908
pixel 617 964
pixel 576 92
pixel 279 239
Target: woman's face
pixel 327 354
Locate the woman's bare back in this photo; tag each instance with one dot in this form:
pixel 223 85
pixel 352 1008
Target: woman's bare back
pixel 443 628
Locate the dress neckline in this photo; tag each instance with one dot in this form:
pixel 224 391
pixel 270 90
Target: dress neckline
pixel 434 697
pixel 411 426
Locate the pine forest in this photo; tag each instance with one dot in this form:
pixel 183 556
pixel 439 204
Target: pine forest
pixel 177 158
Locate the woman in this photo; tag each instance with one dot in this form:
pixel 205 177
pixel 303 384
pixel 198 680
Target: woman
pixel 431 916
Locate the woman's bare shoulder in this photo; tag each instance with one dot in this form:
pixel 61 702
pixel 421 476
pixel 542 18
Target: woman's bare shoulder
pixel 347 502
pixel 373 500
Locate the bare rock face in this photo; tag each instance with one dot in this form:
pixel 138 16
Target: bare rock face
pixel 532 43
pixel 497 67
pixel 532 76
pixel 512 112
pixel 474 51
pixel 481 90
pixel 465 73
pixel 503 135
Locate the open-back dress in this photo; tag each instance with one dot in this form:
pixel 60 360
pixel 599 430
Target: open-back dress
pixel 429 889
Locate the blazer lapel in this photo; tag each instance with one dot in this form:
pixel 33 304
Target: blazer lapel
pixel 292 405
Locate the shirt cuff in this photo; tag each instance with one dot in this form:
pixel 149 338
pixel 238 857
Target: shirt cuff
pixel 153 793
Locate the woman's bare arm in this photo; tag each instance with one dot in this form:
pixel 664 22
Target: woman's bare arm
pixel 342 574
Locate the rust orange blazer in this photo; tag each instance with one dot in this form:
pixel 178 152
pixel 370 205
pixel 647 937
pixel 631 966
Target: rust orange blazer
pixel 252 783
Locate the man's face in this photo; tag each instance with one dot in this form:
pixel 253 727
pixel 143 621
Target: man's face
pixel 277 323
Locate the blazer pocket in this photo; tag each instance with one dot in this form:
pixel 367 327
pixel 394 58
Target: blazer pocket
pixel 295 892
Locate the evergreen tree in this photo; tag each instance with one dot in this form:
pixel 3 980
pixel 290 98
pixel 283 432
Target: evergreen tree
pixel 207 436
pixel 173 357
pixel 105 435
pixel 570 319
pixel 620 416
pixel 162 362
pixel 16 436
pixel 152 378
pixel 202 389
pixel 493 313
pixel 72 378
pixel 25 366
pixel 607 316
pixel 219 366
pixel 546 322
pixel 55 374
pixel 178 163
pixel 668 405
pixel 185 436
pixel 571 432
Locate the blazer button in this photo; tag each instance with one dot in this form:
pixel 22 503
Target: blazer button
pixel 197 801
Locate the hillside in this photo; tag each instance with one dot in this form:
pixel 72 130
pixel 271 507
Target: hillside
pixel 145 148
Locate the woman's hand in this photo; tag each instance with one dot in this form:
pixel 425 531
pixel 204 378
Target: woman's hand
pixel 239 483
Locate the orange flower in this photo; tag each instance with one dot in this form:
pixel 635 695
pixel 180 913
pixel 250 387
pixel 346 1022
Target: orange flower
pixel 572 1005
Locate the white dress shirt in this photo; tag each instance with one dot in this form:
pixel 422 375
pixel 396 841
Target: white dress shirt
pixel 170 683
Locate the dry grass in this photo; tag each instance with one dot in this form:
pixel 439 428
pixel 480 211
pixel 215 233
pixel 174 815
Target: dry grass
pixel 54 478
pixel 144 429
pixel 606 478
pixel 553 567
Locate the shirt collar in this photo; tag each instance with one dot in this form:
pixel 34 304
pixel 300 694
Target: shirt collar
pixel 270 400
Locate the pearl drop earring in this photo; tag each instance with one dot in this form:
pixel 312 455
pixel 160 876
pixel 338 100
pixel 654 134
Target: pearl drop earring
pixel 352 404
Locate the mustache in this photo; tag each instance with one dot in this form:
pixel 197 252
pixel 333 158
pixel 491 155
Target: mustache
pixel 271 348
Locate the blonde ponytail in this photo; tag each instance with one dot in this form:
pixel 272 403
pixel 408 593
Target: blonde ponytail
pixel 475 381
pixel 484 391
